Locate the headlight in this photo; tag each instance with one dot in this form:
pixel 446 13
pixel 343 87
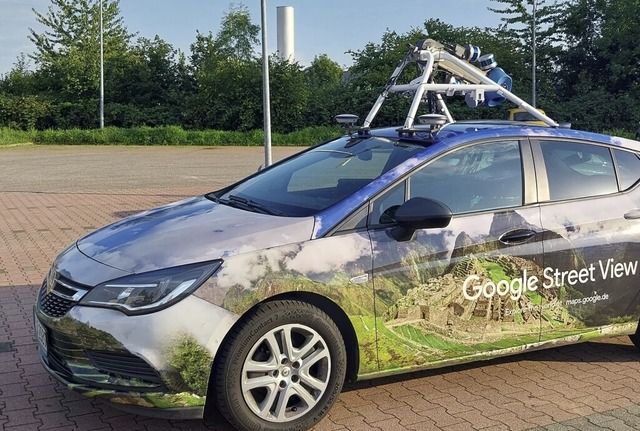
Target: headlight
pixel 150 291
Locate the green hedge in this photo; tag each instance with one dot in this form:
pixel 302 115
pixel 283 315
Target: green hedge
pixel 14 136
pixel 173 135
pixel 620 133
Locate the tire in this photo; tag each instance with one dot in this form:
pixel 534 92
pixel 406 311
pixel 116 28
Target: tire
pixel 282 368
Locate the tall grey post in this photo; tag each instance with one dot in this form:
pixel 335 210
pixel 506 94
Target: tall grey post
pixel 265 87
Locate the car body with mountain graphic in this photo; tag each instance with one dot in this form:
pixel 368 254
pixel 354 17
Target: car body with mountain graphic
pixel 379 252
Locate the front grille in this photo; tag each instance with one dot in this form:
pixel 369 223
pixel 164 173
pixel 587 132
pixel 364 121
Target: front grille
pixel 57 364
pixel 65 348
pixel 57 301
pixel 124 365
pixel 54 305
pixel 107 370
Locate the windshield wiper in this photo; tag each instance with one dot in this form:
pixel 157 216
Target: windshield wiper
pixel 248 204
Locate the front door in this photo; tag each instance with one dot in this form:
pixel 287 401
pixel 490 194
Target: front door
pixel 473 288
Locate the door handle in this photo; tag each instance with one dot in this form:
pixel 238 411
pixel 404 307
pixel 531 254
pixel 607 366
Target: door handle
pixel 633 214
pixel 517 236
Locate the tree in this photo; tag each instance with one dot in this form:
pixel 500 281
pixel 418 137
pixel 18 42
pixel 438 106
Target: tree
pixel 289 95
pixel 203 51
pixel 20 80
pixel 19 107
pixel 323 72
pixel 518 25
pixel 325 80
pixel 152 86
pixel 600 62
pixel 67 53
pixel 582 28
pixel 238 36
pixel 230 96
pixel 227 75
pixel 620 44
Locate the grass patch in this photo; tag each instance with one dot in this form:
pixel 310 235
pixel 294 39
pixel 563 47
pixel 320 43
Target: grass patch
pixel 14 137
pixel 495 271
pixel 507 343
pixel 193 362
pixel 174 135
pixel 534 296
pixel 175 400
pixel 365 328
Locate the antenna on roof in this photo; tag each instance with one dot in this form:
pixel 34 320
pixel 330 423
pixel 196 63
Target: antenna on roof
pixel 347 120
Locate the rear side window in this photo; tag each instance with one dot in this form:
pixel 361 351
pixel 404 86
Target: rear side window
pixel 628 168
pixel 578 170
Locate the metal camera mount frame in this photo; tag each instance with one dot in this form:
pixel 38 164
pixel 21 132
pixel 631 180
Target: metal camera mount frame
pixel 464 79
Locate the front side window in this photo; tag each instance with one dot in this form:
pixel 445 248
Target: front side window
pixel 578 170
pixel 476 178
pixel 479 177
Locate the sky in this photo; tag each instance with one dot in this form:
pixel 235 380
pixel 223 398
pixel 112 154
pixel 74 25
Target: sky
pixel 330 27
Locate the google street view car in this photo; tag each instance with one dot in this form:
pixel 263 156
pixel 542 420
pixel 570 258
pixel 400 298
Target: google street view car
pixel 379 252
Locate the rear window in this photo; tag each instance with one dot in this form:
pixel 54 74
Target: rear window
pixel 628 168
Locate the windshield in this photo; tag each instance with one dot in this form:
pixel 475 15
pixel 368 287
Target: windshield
pixel 317 179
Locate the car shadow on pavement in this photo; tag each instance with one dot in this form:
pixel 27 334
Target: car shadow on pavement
pixel 608 350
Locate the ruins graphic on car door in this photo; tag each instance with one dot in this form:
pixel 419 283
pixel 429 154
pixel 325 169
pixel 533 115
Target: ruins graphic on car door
pixel 472 288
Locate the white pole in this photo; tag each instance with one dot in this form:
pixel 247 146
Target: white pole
pixel 101 70
pixel 533 62
pixel 266 102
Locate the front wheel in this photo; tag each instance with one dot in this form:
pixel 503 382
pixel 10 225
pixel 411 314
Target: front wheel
pixel 282 368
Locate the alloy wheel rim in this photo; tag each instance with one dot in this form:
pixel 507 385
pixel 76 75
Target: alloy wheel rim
pixel 286 373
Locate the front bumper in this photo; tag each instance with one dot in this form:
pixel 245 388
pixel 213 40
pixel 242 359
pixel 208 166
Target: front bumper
pixel 156 364
pixel 141 403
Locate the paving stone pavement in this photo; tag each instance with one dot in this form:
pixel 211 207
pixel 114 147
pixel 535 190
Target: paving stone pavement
pixel 49 196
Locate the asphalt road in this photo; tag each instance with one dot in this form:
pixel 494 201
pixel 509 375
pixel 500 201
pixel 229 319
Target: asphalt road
pixel 95 169
pixel 51 195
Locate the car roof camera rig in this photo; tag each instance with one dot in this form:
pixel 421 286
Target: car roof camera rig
pixel 484 84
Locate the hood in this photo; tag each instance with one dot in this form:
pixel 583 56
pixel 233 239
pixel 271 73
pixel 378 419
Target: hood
pixel 194 230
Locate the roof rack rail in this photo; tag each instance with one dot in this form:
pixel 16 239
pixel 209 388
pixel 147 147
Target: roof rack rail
pixel 484 85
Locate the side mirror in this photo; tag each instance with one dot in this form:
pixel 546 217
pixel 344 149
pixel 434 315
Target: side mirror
pixel 419 213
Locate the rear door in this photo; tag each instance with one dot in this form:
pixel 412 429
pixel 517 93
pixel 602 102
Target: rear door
pixel 589 211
